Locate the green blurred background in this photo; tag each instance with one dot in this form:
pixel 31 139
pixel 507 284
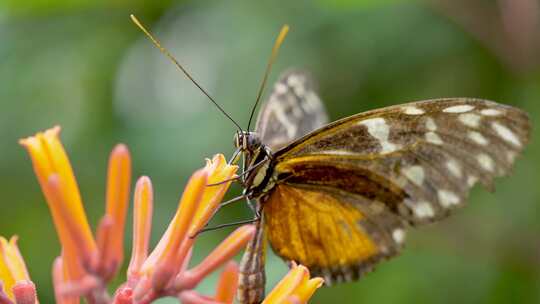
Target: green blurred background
pixel 84 65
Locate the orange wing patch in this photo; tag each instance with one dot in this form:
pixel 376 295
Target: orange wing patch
pixel 322 231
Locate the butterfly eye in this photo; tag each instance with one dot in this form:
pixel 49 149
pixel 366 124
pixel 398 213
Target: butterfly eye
pixel 253 140
pixel 237 140
pixel 245 139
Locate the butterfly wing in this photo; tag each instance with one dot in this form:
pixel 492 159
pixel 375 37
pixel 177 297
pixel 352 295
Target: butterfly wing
pixel 338 236
pixel 292 110
pixel 345 191
pixel 420 159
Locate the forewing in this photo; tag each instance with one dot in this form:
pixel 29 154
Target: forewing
pixel 336 235
pixel 420 158
pixel 292 110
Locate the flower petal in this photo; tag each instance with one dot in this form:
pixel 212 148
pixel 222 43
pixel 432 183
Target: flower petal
pixel 228 283
pixel 118 183
pixel 223 252
pixel 295 287
pixel 305 291
pixel 286 286
pixel 218 171
pixel 142 222
pixel 168 247
pixel 50 159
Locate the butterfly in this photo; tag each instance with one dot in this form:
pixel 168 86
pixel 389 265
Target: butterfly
pixel 339 197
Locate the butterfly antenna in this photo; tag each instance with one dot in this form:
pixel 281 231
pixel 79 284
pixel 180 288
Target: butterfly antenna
pixel 171 57
pixel 273 55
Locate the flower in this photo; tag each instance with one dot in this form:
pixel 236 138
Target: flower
pixel 85 263
pixel 15 283
pixel 296 287
pixel 55 175
pixel 166 272
pixel 142 224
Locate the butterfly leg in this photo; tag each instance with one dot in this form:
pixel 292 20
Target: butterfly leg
pixel 234 159
pixel 254 207
pixel 251 221
pixel 223 204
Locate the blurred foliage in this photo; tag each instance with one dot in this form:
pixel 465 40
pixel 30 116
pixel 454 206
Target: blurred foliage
pixel 83 65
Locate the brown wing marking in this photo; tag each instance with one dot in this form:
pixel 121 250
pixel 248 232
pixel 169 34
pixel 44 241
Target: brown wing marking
pixel 336 236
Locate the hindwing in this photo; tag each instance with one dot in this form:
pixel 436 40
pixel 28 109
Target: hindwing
pixel 337 235
pixel 292 110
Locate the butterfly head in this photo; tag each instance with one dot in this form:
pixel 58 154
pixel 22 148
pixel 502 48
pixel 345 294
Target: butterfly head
pixel 246 141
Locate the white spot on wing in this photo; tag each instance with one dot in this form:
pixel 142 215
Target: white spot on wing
pixel 398 235
pixel 312 102
pixel 478 138
pixel 490 112
pixel 470 119
pixel 423 209
pixel 433 138
pixel 447 198
pixel 430 124
pixel 458 109
pixel 411 110
pixel 486 162
pixel 300 90
pixel 415 174
pixel 378 128
pixel 295 80
pixel 297 83
pixel 280 88
pixel 454 168
pixel 506 134
pixel 471 180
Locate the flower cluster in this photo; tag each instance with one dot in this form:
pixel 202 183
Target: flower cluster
pixel 88 262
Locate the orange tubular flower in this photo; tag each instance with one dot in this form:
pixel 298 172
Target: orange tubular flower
pixel 86 264
pixel 14 275
pixel 165 271
pixel 162 264
pixel 111 231
pixel 228 283
pixel 142 223
pixel 55 175
pixel 197 205
pixel 295 287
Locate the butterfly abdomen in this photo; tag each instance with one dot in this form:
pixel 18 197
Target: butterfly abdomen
pixel 252 279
